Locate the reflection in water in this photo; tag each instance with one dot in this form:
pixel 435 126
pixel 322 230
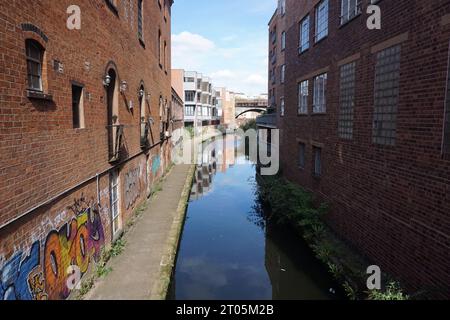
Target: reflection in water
pixel 227 252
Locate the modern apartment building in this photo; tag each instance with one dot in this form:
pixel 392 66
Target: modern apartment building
pixel 85 118
pixel 200 100
pixel 364 116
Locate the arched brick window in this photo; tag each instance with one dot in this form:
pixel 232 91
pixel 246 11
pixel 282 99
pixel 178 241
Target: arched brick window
pixel 35 58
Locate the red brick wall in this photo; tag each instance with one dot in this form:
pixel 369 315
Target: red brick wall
pixel 42 156
pixel 392 203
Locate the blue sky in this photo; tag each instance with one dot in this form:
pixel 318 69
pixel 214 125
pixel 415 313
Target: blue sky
pixel 225 39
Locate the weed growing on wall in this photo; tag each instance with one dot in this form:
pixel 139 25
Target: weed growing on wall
pixel 290 204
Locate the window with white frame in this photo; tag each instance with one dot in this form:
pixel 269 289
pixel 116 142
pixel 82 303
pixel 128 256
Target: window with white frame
pixel 387 80
pixel 320 89
pixel 304 35
pixel 283 41
pixel 321 20
pixel 282 107
pixel 190 111
pixel 349 10
pixel 283 73
pixel 347 100
pixel 303 94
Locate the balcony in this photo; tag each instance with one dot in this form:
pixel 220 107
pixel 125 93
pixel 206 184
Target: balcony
pixel 117 150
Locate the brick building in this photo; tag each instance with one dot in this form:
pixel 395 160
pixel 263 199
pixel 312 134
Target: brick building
pixel 366 126
pixel 84 127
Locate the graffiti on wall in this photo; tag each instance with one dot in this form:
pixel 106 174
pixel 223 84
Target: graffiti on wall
pixel 132 187
pixel 156 164
pixel 41 274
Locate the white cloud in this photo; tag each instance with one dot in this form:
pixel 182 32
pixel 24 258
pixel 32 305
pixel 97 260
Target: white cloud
pixel 239 68
pixel 256 79
pixel 186 41
pixel 223 74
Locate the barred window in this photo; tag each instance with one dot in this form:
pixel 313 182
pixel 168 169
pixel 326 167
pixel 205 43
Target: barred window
pixel 387 76
pixel 303 94
pixel 320 87
pixel 322 20
pixel 347 100
pixel 304 35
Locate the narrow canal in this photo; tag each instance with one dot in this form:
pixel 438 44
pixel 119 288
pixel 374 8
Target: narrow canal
pixel 228 252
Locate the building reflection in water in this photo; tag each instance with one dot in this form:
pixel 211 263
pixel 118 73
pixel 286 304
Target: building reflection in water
pixel 217 155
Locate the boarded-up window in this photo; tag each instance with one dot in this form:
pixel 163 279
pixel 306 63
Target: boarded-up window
pixel 387 76
pixel 347 100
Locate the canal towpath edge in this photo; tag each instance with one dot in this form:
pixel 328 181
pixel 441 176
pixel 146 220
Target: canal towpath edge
pixel 143 271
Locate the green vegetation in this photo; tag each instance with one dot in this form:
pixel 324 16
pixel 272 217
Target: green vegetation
pixel 393 291
pixel 103 271
pixel 118 247
pixel 86 286
pixel 250 124
pixel 190 130
pixel 291 204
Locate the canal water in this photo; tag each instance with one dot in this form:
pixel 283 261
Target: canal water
pixel 227 250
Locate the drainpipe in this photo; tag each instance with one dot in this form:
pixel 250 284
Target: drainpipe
pixel 98 190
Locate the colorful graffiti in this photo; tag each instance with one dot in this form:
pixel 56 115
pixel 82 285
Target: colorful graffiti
pixel 42 274
pixel 132 187
pixel 156 164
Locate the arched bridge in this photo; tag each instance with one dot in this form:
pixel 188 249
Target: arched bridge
pixel 242 111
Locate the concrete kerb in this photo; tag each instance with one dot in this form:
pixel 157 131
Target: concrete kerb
pixel 161 287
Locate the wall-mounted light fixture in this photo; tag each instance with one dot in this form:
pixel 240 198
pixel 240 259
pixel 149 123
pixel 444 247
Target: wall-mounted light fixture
pixel 107 81
pixel 123 86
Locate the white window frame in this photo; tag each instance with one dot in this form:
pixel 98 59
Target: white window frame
pixel 283 40
pixel 322 20
pixel 115 203
pixel 320 93
pixel 349 10
pixel 283 74
pixel 282 106
pixel 303 96
pixel 304 34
